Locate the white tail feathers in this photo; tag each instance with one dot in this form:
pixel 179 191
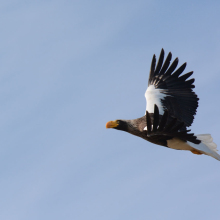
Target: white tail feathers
pixel 208 141
pixel 207 146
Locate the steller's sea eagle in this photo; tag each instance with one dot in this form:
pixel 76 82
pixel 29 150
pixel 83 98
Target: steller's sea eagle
pixel 171 107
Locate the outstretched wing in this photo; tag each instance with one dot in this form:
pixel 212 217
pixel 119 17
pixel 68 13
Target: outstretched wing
pixel 160 128
pixel 170 91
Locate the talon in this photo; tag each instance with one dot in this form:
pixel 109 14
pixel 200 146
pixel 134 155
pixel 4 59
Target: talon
pixel 196 152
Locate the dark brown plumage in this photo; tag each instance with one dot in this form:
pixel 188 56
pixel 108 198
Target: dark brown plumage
pixel 171 107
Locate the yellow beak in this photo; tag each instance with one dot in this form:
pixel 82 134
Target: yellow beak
pixel 112 124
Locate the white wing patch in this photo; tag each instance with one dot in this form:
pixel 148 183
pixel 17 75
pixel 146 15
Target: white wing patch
pixel 153 96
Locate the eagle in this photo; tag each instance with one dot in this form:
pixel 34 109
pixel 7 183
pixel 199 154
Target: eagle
pixel 171 108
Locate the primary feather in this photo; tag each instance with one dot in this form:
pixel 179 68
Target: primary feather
pixel 168 90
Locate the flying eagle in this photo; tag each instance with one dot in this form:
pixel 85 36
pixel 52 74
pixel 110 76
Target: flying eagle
pixel 171 107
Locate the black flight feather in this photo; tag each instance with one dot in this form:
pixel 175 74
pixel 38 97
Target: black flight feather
pixel 179 99
pixel 166 129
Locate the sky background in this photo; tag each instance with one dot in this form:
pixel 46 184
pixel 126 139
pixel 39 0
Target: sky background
pixel 68 67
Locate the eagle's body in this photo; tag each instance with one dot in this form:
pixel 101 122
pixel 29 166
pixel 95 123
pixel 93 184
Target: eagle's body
pixel 171 107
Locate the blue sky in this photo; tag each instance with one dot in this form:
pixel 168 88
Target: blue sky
pixel 68 67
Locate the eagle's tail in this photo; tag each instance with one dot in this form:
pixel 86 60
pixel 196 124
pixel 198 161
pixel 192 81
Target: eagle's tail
pixel 207 146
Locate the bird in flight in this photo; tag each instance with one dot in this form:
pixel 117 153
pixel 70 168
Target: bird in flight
pixel 171 107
